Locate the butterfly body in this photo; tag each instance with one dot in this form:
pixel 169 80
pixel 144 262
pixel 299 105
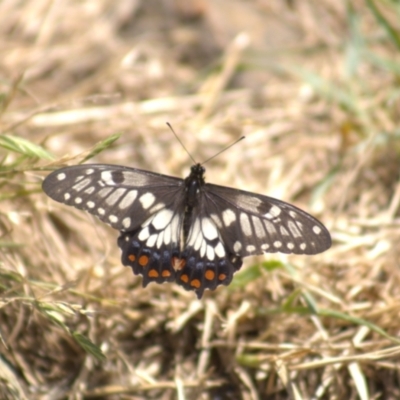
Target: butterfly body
pixel 185 230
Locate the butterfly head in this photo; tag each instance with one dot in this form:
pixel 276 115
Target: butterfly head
pixel 197 172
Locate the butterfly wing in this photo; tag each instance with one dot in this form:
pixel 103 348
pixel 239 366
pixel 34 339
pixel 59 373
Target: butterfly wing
pixel 252 224
pixel 119 196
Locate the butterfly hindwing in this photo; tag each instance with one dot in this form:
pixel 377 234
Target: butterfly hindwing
pixel 153 249
pixel 208 261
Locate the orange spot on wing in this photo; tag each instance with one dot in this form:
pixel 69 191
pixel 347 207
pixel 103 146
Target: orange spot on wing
pixel 178 263
pixel 132 257
pixel 143 260
pixel 209 275
pixel 195 283
pixel 184 278
pixel 165 273
pixel 221 277
pixel 153 273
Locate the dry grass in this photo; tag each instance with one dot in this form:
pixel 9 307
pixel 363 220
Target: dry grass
pixel 314 87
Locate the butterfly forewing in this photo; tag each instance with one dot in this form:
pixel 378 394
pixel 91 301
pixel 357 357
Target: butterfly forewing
pixel 185 230
pixel 253 224
pixel 121 197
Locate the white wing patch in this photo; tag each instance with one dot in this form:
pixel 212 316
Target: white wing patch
pixel 228 217
pixel 270 227
pixel 151 241
pixel 258 227
pixel 126 222
pixel 144 234
pixel 284 231
pixel 273 212
pixel 210 253
pixel 90 190
pixel 105 191
pixel 208 228
pixel 106 177
pixel 128 200
pixel 316 229
pixel 245 224
pixel 162 219
pixel 252 203
pixel 237 247
pixel 219 250
pixel 294 229
pixel 147 200
pixel 113 219
pixel 115 196
pixel 81 184
pixel 132 178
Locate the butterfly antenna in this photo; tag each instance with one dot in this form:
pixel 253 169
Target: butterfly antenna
pixel 180 141
pixel 226 148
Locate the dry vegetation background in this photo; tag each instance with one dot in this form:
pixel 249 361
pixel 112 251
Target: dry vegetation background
pixel 313 85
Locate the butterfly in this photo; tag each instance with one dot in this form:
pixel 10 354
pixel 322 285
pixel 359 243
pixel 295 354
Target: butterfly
pixel 185 230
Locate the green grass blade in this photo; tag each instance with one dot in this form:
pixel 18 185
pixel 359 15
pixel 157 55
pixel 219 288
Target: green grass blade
pixel 25 147
pixel 392 33
pixel 101 146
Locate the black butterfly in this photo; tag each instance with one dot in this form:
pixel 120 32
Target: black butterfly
pixel 185 230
